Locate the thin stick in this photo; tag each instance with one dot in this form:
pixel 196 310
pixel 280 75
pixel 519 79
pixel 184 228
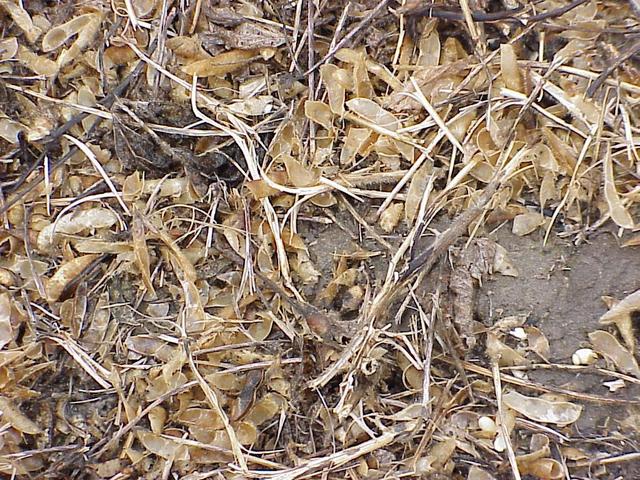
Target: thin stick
pixel 351 35
pixel 503 427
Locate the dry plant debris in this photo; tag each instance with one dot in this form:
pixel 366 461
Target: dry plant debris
pixel 164 165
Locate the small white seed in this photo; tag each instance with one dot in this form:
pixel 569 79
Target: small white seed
pixel 584 356
pixel 486 424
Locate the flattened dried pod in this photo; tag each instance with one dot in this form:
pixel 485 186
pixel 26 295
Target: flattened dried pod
pixel 374 113
pixel 542 410
pixel 526 223
pixel 12 415
pixel 66 274
pixel 353 144
pixel 621 315
pixel 299 175
pixel 58 35
pixel 22 18
pixel 335 90
pixel 74 223
pixel 201 418
pixel 264 409
pixel 617 210
pixel 320 113
pixel 221 64
pixel 247 433
pixel 509 68
pixel 8 48
pixel 163 446
pixel 40 65
pixel 606 344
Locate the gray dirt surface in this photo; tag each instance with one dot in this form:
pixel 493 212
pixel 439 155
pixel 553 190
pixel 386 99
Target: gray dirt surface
pixel 559 288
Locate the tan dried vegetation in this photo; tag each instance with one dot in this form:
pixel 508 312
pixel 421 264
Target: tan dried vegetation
pixel 161 314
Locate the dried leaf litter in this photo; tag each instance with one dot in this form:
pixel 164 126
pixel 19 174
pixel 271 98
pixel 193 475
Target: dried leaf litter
pixel 163 310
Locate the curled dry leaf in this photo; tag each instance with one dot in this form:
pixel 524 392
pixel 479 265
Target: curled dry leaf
pixel 40 65
pixel 354 144
pixel 526 223
pixel 221 64
pixel 502 263
pixel 6 331
pixel 65 274
pixel 620 314
pixel 12 415
pixel 608 346
pixel 8 48
pixel 162 446
pixel 509 68
pixel 617 210
pixel 58 35
pixel 22 18
pixel 542 410
pixel 537 463
pixel 503 354
pixel 437 457
pixel 74 223
pixel 299 175
pixel 331 77
pixel 320 113
pixel 390 218
pixel 374 113
pixel 476 473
